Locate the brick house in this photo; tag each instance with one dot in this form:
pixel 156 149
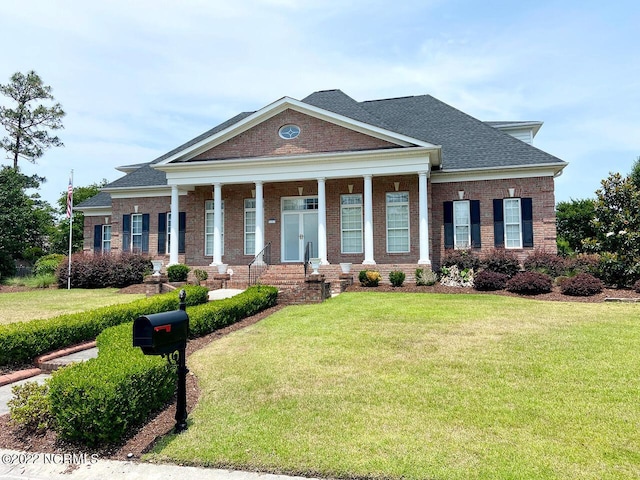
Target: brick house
pixel 384 182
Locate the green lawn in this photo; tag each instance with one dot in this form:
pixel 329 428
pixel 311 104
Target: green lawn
pixel 422 386
pixel 45 303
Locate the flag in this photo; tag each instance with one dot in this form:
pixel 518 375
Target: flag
pixel 70 198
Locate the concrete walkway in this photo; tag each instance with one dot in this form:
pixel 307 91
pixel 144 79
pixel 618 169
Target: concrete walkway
pixel 49 466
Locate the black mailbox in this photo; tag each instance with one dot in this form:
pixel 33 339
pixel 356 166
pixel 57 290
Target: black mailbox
pixel 161 333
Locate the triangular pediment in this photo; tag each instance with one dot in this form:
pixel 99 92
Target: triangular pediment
pixel 321 131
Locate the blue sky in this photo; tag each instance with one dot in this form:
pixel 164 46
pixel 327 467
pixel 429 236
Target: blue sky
pixel 140 77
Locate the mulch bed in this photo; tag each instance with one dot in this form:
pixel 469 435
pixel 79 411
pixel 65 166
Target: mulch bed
pixel 142 439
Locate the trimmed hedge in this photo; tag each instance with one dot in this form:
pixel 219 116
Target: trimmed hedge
pixel 99 401
pixel 23 341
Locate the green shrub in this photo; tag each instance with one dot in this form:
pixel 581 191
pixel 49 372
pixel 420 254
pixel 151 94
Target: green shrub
pixel 208 318
pixel 23 341
pixel 178 272
pixel 529 283
pixel 501 260
pixel 369 278
pixel 201 275
pixel 487 281
pixel 396 277
pixel 99 401
pixel 30 408
pixel 463 259
pixel 425 277
pixel 612 270
pixel 582 285
pixel 48 265
pixel 7 266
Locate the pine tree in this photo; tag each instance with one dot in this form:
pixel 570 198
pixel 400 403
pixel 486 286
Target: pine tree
pixel 28 123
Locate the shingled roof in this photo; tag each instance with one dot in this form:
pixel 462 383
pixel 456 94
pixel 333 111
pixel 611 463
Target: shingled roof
pixel 467 143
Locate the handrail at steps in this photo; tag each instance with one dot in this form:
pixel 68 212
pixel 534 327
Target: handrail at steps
pixel 260 263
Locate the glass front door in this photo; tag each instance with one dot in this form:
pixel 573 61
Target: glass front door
pixel 299 227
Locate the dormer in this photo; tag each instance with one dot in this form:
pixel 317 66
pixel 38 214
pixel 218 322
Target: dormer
pixel 524 131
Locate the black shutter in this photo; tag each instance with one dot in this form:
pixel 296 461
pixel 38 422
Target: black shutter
pixel 182 227
pixel 97 238
pixel 475 224
pixel 526 206
pixel 126 233
pixel 145 233
pixel 162 233
pixel 498 223
pixel 448 224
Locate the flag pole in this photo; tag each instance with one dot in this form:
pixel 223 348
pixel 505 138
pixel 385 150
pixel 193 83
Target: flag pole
pixel 70 217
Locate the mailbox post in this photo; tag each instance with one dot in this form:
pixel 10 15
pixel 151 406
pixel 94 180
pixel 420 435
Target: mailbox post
pixel 166 334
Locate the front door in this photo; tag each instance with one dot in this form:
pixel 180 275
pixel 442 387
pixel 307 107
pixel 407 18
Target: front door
pixel 299 227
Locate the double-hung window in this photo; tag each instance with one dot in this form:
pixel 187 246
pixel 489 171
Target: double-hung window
pixel 106 238
pixel 351 223
pixel 136 233
pixel 512 223
pixel 398 222
pixel 250 226
pixel 462 224
pixel 208 228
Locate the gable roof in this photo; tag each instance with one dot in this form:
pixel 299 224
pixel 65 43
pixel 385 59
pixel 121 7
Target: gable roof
pixel 466 142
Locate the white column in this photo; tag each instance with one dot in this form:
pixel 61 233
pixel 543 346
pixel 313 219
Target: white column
pixel 175 216
pixel 322 222
pixel 423 212
pixel 259 237
pixel 217 224
pixel 368 221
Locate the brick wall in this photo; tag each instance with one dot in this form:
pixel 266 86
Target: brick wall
pixel 540 189
pixel 264 140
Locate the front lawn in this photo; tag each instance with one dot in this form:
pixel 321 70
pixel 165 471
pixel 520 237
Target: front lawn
pixel 422 386
pixel 46 303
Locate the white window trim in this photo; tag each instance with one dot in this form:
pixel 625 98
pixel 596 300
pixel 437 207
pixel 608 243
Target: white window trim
pixel 206 211
pixel 456 225
pixel 104 239
pixel 408 221
pixel 504 210
pixel 246 210
pixel 133 234
pixel 361 229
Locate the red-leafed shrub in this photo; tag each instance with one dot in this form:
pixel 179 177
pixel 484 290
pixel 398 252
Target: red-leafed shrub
pixel 463 259
pixel 101 271
pixel 584 263
pixel 636 286
pixel 582 285
pixel 487 281
pixel 529 283
pixel 545 262
pixel 501 260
